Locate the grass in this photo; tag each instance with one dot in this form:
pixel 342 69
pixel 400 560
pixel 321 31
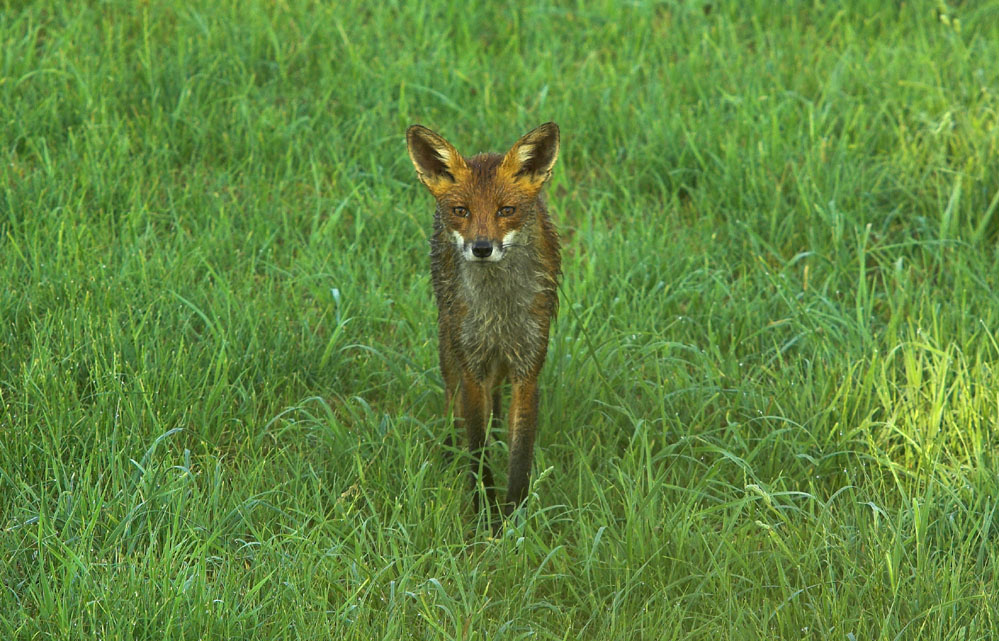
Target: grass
pixel 770 403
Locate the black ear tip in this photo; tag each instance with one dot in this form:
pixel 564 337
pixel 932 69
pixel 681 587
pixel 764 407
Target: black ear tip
pixel 418 131
pixel 550 128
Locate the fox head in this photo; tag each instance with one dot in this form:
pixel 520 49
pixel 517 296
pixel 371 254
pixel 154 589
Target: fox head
pixel 484 201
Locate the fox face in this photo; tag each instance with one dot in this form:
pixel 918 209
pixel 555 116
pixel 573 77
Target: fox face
pixel 484 201
pixel 484 231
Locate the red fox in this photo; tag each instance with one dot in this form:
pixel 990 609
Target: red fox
pixel 495 265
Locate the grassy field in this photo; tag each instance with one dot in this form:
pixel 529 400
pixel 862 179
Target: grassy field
pixel 770 405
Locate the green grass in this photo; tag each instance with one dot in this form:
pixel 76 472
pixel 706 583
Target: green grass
pixel 770 404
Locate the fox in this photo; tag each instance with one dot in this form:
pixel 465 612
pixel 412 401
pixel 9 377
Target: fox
pixel 495 266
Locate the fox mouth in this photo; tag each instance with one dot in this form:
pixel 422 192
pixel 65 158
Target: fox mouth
pixel 482 251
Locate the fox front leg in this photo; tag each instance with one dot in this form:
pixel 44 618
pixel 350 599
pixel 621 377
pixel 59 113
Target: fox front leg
pixel 523 427
pixel 475 402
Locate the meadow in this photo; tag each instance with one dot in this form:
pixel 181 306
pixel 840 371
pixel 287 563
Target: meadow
pixel 770 404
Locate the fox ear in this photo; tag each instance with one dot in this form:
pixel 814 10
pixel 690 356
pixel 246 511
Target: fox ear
pixel 532 157
pixel 437 162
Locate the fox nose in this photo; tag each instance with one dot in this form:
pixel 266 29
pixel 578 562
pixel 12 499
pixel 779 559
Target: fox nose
pixel 482 248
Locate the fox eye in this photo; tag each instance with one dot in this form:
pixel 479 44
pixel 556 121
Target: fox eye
pixel 460 212
pixel 505 211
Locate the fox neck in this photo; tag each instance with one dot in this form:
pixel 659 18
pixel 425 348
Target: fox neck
pixel 499 331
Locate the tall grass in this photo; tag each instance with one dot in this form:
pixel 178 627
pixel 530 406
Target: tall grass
pixel 770 402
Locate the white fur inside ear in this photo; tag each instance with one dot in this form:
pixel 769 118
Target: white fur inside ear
pixel 446 156
pixel 525 152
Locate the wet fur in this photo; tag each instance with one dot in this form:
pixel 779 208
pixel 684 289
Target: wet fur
pixel 499 312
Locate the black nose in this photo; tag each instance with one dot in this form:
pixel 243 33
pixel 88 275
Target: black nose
pixel 482 248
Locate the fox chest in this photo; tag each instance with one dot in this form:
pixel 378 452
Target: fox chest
pixel 500 328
